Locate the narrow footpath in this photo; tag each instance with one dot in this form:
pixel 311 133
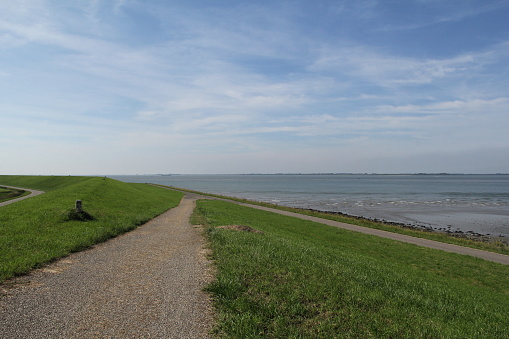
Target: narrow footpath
pixel 144 284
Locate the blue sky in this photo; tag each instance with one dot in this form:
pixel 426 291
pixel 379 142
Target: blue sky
pixel 139 87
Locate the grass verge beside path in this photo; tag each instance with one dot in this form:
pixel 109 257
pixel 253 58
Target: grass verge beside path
pixel 38 230
pixel 300 279
pixel 460 240
pixel 7 193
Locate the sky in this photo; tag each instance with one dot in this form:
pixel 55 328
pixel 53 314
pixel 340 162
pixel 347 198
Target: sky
pixel 219 86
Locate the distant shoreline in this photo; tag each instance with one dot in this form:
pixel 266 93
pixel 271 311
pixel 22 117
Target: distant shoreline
pixel 331 173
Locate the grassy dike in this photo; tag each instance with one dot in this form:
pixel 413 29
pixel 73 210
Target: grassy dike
pixel 300 279
pixel 496 246
pixel 38 230
pixel 7 194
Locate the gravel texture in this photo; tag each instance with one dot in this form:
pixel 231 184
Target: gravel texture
pixel 144 284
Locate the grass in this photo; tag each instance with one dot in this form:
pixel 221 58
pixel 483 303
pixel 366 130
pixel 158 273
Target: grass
pixel 38 230
pixel 300 279
pixel 458 239
pixel 42 183
pixel 11 193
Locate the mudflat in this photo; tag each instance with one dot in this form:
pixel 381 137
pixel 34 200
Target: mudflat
pixel 144 284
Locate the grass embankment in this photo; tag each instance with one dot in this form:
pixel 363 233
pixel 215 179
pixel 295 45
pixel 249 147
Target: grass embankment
pixel 40 229
pixel 461 239
pixel 41 182
pixel 7 193
pixel 300 279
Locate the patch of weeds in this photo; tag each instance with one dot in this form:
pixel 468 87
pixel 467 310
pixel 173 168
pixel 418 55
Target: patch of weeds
pixel 240 228
pixel 11 193
pixel 74 215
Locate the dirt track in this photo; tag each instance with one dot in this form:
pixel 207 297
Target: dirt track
pixel 144 284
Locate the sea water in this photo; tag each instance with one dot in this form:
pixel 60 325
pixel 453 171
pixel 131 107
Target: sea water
pixel 475 203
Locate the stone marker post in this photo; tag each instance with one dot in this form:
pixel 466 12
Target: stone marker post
pixel 79 207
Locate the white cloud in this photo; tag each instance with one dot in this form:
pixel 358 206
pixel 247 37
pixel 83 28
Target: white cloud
pixel 8 40
pixel 462 107
pixel 387 70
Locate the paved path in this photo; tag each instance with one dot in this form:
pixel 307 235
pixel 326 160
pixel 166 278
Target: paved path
pixel 33 193
pixel 144 284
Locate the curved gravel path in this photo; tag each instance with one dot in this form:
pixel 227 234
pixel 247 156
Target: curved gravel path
pixel 144 284
pixel 33 193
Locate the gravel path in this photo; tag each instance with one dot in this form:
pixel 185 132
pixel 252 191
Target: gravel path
pixel 144 284
pixel 33 193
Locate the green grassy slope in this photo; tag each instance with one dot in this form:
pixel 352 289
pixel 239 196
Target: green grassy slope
pixel 37 230
pixel 39 182
pixel 7 194
pixel 301 279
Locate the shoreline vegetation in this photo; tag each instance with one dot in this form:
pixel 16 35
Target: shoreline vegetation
pixel 467 239
pixel 325 173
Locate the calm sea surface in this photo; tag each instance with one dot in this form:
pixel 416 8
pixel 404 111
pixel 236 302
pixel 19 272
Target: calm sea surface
pixel 478 203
